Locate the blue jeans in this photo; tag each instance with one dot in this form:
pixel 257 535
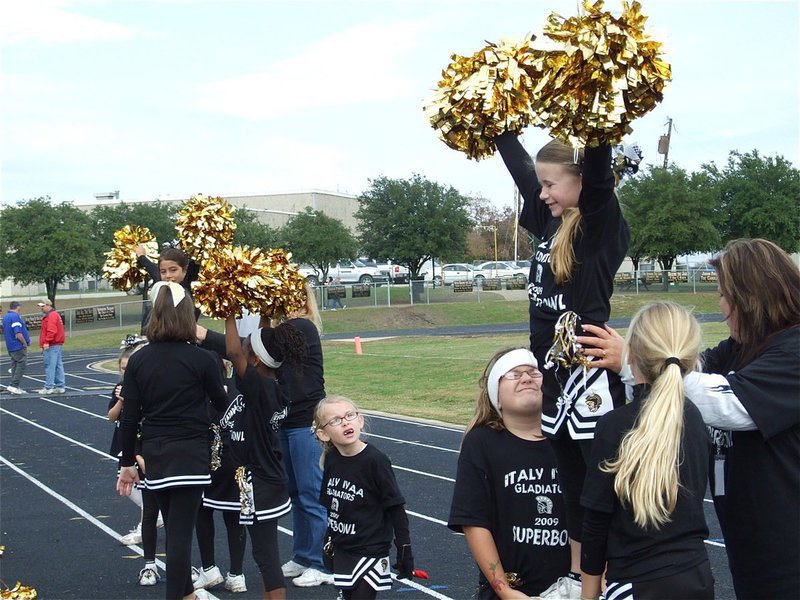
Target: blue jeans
pixel 53 367
pixel 301 452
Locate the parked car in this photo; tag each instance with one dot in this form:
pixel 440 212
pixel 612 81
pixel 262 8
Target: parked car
pixel 395 273
pixel 522 264
pixel 453 272
pixel 499 269
pixel 345 271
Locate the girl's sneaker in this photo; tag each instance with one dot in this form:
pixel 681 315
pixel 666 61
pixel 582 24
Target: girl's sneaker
pixel 235 583
pixel 134 536
pixel 208 579
pixel 148 576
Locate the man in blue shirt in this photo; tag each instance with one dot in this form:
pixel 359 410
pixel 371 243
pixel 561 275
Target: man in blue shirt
pixel 17 342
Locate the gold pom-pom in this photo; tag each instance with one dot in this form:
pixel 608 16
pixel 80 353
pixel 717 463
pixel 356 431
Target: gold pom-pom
pixel 204 225
pixel 120 267
pixel 610 73
pixel 19 592
pixel 289 295
pixel 486 94
pixel 264 283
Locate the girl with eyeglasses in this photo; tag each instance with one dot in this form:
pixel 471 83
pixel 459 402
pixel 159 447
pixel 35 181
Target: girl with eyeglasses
pixel 364 503
pixel 507 499
pixel 254 419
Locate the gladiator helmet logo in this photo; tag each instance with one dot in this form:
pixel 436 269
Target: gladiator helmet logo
pixel 335 504
pixel 544 505
pixel 384 565
pixel 593 402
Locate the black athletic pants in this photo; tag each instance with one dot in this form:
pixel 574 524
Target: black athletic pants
pixel 237 538
pixel 179 506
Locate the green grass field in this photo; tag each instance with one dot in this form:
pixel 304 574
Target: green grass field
pixel 427 377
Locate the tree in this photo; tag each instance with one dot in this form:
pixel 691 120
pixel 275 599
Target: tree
pixel 45 243
pixel 760 198
pixel 316 239
pixel 671 213
pixel 157 216
pixel 252 232
pixel 411 221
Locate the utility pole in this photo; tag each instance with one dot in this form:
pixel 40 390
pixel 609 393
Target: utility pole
pixel 663 142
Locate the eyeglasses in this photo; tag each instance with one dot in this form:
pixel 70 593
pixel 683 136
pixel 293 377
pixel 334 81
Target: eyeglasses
pixel 517 374
pixel 336 421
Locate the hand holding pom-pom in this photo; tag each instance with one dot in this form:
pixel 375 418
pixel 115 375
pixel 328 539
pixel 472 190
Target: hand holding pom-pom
pixel 120 268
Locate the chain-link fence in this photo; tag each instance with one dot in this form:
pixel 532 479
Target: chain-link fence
pixel 128 313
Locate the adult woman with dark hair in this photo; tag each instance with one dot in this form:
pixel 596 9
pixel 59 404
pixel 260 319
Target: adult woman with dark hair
pixel 570 205
pixel 166 386
pixel 750 392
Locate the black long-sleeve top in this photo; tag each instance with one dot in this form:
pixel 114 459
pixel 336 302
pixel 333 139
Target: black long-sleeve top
pixel 600 244
pixel 166 386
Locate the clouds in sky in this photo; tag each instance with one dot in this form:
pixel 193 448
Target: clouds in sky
pixel 181 96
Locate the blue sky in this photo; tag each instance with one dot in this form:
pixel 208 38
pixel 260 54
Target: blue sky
pixel 176 97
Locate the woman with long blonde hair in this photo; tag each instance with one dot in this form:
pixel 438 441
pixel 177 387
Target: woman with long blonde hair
pixel 571 207
pixel 648 471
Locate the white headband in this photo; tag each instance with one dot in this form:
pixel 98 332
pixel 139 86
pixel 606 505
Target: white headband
pixel 504 364
pixel 177 291
pixel 261 351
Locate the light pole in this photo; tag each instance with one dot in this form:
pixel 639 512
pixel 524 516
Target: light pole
pixel 494 230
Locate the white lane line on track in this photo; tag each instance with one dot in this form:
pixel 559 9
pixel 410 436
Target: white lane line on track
pixel 426 517
pixel 63 437
pixel 399 441
pixel 101 526
pixel 454 428
pixel 80 410
pixel 442 477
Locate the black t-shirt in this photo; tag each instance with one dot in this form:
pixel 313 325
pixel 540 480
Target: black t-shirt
pixel 305 385
pixel 761 512
pixel 257 416
pixel 167 386
pixel 357 491
pixel 510 487
pixel 635 554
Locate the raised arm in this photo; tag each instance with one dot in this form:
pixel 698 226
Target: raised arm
pixel 233 347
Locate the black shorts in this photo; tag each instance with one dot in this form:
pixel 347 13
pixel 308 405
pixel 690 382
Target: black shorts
pixel 350 569
pixel 261 500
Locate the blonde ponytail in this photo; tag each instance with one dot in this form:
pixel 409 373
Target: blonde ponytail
pixel 562 253
pixel 664 341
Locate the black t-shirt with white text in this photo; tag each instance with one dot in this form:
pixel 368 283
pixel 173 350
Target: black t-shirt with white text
pixel 357 491
pixel 510 486
pixel 256 417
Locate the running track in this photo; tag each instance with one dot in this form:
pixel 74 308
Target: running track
pixel 60 517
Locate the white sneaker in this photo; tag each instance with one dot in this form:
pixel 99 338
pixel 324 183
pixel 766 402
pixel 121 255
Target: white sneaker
pixel 235 583
pixel 312 578
pixel 565 588
pixel 208 579
pixel 14 390
pixel 293 569
pixel 134 536
pixel 59 390
pixel 195 574
pixel 46 391
pixel 148 576
pixel 202 594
